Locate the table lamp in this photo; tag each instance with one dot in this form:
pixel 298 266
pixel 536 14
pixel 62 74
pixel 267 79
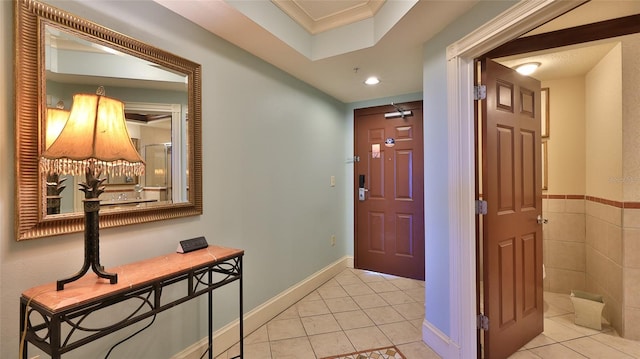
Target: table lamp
pixel 94 140
pixel 56 118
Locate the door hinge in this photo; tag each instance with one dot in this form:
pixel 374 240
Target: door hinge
pixel 479 92
pixel 481 206
pixel 483 322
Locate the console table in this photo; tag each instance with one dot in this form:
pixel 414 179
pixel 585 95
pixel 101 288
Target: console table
pixel 55 320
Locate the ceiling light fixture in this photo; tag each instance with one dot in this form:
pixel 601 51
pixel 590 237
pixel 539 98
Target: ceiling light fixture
pixel 528 68
pixel 372 81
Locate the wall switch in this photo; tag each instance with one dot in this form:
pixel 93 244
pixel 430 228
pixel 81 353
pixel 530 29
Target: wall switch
pixel 333 181
pixel 333 240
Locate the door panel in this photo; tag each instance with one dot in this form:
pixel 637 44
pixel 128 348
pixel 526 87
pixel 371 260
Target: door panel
pixel 404 235
pixel 403 175
pixel 512 187
pixel 527 141
pixel 389 233
pixel 506 185
pixel 507 254
pixel 529 289
pixel 376 233
pixel 375 174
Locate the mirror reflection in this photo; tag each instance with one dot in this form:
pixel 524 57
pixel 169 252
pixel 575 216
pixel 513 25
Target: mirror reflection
pixel 59 55
pixel 156 107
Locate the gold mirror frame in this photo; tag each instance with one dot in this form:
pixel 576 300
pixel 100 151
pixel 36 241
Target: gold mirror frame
pixel 30 102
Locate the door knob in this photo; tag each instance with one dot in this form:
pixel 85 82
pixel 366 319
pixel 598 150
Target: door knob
pixel 542 220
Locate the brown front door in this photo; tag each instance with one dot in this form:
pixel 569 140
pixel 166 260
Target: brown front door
pixel 512 187
pixel 389 200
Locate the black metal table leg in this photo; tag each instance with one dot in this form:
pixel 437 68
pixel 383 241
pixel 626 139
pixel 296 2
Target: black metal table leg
pixel 23 345
pixel 241 312
pixel 210 295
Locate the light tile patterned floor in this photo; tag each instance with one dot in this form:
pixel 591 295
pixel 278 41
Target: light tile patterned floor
pixel 359 310
pixel 563 339
pixel 356 310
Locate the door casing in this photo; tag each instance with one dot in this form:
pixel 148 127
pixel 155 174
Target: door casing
pixel 460 339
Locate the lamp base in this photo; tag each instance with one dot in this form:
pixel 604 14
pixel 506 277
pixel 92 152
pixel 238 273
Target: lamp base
pixel 91 246
pixel 99 270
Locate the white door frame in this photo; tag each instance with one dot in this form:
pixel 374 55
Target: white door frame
pixel 517 20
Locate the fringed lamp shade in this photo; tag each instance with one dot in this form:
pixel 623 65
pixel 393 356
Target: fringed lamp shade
pixel 94 136
pixel 56 118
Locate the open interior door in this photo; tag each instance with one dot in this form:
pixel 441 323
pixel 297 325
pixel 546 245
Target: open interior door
pixel 512 188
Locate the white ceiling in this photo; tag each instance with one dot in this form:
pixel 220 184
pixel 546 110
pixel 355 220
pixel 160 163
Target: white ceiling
pixel 564 62
pixel 334 45
pixel 319 16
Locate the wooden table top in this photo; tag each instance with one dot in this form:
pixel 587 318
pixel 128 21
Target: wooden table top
pixel 90 287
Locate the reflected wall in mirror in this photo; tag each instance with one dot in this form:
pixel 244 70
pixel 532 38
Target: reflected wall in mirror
pixel 59 55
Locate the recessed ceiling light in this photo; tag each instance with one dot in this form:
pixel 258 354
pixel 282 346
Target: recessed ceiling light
pixel 372 81
pixel 528 68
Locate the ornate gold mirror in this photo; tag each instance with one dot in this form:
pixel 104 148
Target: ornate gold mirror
pixel 59 55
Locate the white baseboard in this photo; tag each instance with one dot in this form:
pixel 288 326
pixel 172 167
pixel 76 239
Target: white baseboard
pixel 225 337
pixel 438 341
